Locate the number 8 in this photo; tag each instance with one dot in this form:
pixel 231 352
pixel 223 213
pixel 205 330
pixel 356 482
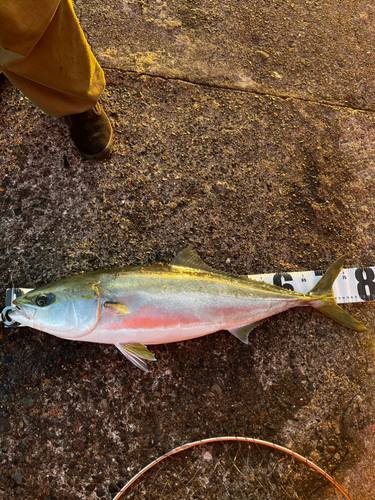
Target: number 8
pixel 362 282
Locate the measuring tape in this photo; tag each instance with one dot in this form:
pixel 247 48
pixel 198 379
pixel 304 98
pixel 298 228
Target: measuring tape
pixel 355 284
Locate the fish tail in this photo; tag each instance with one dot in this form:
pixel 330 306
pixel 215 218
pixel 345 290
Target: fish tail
pixel 326 301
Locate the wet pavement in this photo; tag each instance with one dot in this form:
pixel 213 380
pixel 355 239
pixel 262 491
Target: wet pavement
pixel 246 131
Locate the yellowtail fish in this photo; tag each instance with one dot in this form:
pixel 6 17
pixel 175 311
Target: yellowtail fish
pixel 133 307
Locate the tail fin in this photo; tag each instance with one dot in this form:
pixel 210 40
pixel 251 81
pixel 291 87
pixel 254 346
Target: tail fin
pixel 326 302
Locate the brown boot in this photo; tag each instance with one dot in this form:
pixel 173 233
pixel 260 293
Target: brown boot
pixel 91 132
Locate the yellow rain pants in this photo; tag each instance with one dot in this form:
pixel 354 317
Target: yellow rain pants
pixel 44 52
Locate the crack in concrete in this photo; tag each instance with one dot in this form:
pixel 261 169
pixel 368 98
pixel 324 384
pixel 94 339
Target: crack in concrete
pixel 236 89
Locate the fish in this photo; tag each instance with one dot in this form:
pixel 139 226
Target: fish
pixel 136 306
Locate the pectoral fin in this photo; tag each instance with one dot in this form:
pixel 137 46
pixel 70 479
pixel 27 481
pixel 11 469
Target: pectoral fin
pixel 117 308
pixel 136 353
pixel 242 332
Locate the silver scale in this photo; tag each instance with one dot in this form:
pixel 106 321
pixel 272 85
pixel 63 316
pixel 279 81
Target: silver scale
pixel 352 285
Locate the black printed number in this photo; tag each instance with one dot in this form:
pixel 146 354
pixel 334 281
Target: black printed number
pixel 279 278
pixel 366 285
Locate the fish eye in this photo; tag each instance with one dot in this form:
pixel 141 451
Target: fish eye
pixel 44 300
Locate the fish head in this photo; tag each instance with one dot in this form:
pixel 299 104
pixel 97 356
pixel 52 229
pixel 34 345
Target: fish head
pixel 63 308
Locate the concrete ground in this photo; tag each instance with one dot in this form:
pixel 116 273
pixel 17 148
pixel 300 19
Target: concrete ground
pixel 245 129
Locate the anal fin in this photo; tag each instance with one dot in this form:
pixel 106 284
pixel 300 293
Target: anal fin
pixel 136 353
pixel 242 332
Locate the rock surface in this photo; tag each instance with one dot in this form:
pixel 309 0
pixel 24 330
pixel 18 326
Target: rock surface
pixel 248 132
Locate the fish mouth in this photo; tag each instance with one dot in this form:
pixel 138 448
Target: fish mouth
pixel 22 311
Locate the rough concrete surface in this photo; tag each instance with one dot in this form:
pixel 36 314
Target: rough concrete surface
pixel 259 174
pixel 316 51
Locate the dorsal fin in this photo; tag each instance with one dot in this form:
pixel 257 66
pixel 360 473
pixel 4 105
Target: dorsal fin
pixel 188 258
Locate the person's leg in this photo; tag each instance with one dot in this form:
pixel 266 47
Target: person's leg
pixel 62 77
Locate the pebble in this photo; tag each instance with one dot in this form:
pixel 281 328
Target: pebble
pixel 18 477
pixel 198 378
pixel 4 425
pixel 27 402
pixel 78 445
pixel 217 389
pixel 263 54
pixel 112 488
